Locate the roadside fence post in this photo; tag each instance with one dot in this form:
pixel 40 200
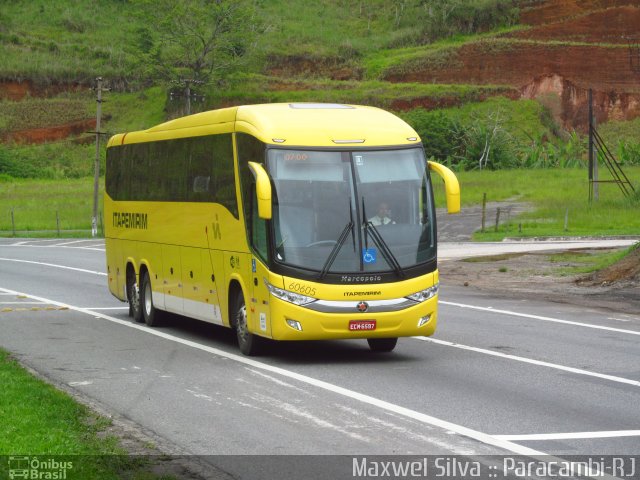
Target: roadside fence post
pixel 58 222
pixel 497 218
pixel 566 220
pixel 484 210
pixel 13 223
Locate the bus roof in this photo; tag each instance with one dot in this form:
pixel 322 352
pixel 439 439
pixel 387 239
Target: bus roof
pixel 288 124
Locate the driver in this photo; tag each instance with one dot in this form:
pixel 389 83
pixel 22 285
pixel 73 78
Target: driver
pixel 383 215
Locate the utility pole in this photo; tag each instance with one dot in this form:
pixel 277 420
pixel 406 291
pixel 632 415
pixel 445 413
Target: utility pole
pixel 96 173
pixel 594 193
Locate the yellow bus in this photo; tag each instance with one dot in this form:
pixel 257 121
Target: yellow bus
pixel 292 221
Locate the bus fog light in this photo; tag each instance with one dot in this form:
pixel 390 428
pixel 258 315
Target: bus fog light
pixel 424 320
pixel 294 324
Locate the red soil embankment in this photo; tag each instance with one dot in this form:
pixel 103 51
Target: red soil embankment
pixel 50 134
pixel 16 90
pixel 529 66
pixel 558 10
pixel 290 66
pixel 448 101
pixel 615 25
pixel 517 64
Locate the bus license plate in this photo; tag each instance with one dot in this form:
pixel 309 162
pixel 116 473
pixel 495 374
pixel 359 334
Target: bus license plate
pixel 362 325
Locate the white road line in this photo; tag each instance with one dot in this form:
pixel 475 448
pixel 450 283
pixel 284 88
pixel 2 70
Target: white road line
pixel 22 303
pixel 53 265
pixel 104 308
pixel 537 317
pixel 531 361
pixel 70 243
pixel 28 243
pixel 461 305
pixel 95 249
pixel 360 397
pixel 570 435
pixel 79 384
pixel 433 340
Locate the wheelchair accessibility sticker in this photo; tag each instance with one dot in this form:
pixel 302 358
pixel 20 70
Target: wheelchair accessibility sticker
pixel 369 255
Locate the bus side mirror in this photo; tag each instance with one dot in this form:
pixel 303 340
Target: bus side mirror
pixel 263 190
pixel 451 186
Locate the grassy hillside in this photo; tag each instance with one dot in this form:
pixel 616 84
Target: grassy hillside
pixel 86 37
pixel 330 50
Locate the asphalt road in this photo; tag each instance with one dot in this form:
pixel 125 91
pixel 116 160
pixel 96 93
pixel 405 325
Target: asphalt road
pixel 501 376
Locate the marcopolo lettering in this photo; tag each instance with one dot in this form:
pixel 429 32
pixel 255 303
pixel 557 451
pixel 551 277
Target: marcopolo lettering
pixel 360 278
pixel 130 220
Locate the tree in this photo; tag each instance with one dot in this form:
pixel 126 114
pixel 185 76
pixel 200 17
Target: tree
pixel 199 40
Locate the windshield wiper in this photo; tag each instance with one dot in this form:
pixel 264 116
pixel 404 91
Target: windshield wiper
pixel 336 248
pixel 380 242
pixel 341 239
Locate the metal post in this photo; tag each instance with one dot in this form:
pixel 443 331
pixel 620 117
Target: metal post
pixel 58 222
pixel 596 155
pixel 13 223
pixel 593 153
pixel 96 173
pixel 484 210
pixel 566 219
pixel 590 101
pixel 188 97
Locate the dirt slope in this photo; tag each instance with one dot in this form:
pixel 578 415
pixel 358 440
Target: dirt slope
pixel 536 276
pixel 572 46
pixel 551 11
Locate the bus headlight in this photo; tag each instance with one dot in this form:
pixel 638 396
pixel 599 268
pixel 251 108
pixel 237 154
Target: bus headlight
pixel 424 295
pixel 287 296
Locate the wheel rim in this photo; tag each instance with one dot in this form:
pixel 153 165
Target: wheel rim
pixel 241 324
pixel 148 301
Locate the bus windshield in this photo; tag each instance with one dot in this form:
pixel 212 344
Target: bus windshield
pixel 351 211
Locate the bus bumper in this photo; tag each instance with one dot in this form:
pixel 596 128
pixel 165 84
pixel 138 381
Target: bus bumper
pixel 293 322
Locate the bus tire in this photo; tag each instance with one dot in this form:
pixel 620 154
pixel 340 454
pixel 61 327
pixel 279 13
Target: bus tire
pixel 382 344
pixel 133 296
pixel 150 314
pixel 248 343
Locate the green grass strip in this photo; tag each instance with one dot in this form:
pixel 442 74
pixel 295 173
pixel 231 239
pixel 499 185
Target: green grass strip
pixel 38 421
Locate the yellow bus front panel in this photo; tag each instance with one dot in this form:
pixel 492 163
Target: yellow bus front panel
pixel 317 325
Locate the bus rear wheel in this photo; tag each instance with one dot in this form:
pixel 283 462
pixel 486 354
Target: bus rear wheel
pixel 382 344
pixel 249 343
pixel 149 312
pixel 133 295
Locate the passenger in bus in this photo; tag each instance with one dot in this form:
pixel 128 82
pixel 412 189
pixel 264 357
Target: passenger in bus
pixel 383 216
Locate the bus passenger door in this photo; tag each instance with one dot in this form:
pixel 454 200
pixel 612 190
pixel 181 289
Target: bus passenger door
pixel 172 278
pixel 259 302
pixel 259 305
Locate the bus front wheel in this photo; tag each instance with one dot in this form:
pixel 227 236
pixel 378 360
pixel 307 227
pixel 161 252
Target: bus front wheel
pixel 382 344
pixel 248 342
pixel 149 312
